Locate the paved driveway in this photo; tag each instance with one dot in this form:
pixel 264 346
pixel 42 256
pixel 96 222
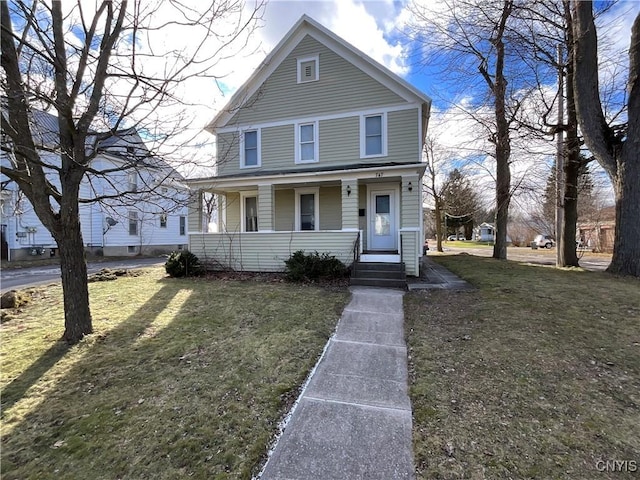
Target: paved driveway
pixel 15 278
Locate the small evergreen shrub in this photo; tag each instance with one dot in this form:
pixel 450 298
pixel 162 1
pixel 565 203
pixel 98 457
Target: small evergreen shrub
pixel 313 266
pixel 183 264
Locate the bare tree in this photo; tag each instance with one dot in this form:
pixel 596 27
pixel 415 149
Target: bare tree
pixel 473 35
pixel 99 71
pixel 616 149
pixel 433 188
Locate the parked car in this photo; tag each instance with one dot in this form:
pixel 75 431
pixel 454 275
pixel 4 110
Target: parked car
pixel 544 241
pixel 459 236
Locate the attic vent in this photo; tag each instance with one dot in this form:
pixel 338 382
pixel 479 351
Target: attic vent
pixel 307 69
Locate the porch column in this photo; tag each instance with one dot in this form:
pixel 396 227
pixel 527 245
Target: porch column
pixel 350 204
pixel 411 201
pixel 411 223
pixel 194 220
pixel 265 208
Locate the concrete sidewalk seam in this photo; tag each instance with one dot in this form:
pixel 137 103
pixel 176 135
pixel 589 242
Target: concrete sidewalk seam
pixel 398 347
pixel 359 405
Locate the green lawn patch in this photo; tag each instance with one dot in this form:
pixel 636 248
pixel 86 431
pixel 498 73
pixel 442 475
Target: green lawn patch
pixel 536 374
pixel 183 378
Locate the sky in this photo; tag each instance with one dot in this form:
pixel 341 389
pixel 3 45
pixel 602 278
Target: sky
pixel 376 28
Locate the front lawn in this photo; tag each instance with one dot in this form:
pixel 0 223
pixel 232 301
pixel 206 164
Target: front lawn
pixel 183 378
pixel 534 375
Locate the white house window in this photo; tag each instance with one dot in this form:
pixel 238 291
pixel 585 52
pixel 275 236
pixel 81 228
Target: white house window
pixel 307 209
pixel 163 220
pixel 308 70
pixel 133 181
pixel 133 222
pixel 183 225
pixel 307 142
pixel 249 211
pixel 373 135
pixel 250 149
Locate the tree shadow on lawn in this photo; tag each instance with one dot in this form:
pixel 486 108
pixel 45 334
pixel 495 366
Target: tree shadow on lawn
pixel 119 338
pixel 16 389
pixel 198 395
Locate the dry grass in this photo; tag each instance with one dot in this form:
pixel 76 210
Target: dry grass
pixel 182 378
pixel 534 375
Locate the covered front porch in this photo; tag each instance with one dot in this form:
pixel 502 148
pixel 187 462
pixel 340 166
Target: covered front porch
pixel 354 214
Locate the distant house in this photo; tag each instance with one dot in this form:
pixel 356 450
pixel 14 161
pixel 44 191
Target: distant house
pixel 485 232
pixel 320 150
pixel 597 234
pixel 152 218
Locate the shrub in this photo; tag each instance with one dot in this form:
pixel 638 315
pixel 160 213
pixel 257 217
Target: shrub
pixel 313 266
pixel 183 264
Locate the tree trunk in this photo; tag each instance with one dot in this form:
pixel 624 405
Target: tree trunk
pixel 620 159
pixel 73 266
pixel 626 246
pixel 438 214
pixel 572 163
pixel 503 146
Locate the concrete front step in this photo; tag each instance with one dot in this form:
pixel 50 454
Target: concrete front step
pixel 379 282
pixel 377 274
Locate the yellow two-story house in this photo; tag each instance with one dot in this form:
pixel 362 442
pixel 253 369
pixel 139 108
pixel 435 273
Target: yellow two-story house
pixel 320 150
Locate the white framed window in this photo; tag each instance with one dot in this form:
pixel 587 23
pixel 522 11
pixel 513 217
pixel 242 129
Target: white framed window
pixel 163 220
pixel 249 211
pixel 133 222
pixel 132 178
pixel 307 209
pixel 307 145
pixel 250 148
pixel 183 225
pixel 373 135
pixel 309 69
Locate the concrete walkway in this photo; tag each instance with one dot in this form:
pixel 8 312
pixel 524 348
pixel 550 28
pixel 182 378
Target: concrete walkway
pixel 353 420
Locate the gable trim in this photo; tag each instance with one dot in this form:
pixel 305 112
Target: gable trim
pixel 308 26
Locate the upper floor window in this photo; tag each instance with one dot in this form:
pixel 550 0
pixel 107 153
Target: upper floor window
pixel 307 142
pixel 132 178
pixel 163 220
pixel 373 135
pixel 308 69
pixel 183 225
pixel 250 149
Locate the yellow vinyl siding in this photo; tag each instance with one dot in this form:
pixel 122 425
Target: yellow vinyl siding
pixel 340 141
pixel 285 210
pixel 330 208
pixel 233 212
pixel 341 87
pixel 278 148
pixel 266 252
pixel 403 137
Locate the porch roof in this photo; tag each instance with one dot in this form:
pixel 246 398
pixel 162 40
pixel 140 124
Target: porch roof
pixel 381 171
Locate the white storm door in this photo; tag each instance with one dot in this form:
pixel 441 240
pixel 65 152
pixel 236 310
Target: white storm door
pixel 383 230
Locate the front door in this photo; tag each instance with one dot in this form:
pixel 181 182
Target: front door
pixel 383 230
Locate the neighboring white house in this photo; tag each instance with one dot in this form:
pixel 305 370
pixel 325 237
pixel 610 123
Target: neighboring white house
pixel 485 232
pixel 320 150
pixel 152 219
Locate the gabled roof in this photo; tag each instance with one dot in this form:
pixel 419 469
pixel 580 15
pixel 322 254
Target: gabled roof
pixel 308 26
pixel 127 145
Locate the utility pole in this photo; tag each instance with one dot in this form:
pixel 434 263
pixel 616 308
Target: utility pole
pixel 560 164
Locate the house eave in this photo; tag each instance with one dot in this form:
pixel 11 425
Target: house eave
pixel 377 172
